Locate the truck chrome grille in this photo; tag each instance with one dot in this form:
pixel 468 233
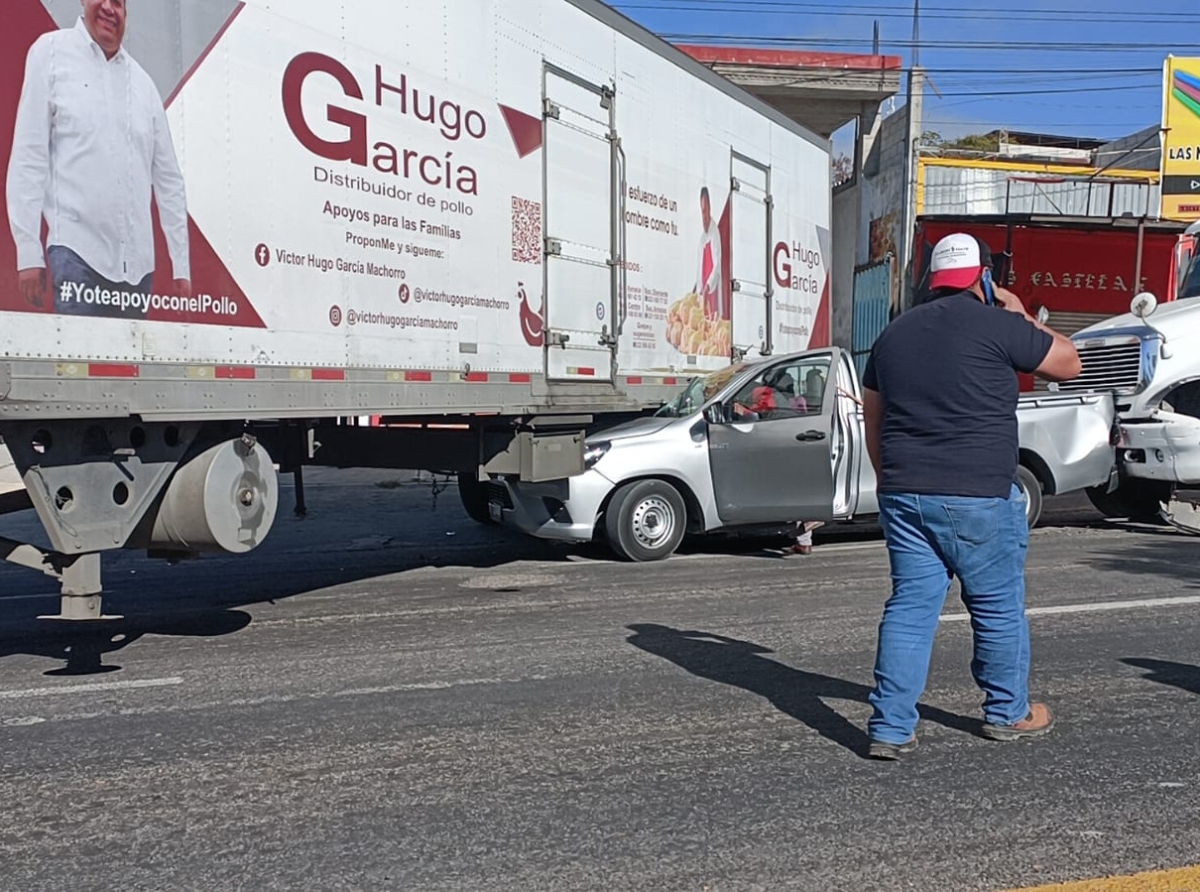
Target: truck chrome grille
pixel 1112 367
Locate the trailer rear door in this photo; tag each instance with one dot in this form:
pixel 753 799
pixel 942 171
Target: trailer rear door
pixel 580 227
pixel 750 224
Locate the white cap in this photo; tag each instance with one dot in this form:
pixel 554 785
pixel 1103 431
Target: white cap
pixel 957 262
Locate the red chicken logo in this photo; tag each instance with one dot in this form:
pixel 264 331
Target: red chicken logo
pixel 531 322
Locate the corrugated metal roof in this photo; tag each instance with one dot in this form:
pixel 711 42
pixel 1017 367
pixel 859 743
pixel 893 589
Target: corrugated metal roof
pixel 978 190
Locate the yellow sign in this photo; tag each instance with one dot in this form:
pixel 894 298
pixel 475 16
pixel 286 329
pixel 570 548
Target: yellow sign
pixel 1181 144
pixel 1184 879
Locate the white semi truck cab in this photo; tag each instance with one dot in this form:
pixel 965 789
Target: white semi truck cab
pixel 1149 359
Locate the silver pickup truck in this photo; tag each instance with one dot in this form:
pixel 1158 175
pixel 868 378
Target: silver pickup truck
pixel 765 444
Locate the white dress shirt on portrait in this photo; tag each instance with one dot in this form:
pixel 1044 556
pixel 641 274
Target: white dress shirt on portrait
pixel 91 142
pixel 710 241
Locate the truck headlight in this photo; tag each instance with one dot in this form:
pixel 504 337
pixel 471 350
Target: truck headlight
pixel 594 453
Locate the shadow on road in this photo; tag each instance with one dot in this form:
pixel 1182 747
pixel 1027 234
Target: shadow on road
pixel 794 692
pixel 1157 551
pixel 209 597
pixel 82 648
pixel 1178 675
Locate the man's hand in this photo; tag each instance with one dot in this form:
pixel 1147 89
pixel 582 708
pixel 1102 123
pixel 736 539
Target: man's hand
pixel 183 287
pixel 1010 302
pixel 33 285
pixel 1062 363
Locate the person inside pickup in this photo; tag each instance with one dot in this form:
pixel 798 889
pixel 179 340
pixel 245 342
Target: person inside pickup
pixel 770 396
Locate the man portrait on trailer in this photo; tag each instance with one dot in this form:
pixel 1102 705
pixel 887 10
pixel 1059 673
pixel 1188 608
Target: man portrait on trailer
pixel 91 152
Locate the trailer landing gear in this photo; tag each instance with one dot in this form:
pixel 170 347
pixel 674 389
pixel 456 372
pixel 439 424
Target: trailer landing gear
pixel 78 576
pixel 175 491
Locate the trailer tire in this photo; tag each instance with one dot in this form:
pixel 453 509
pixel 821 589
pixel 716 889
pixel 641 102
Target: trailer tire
pixel 1031 486
pixel 1134 500
pixel 645 521
pixel 474 498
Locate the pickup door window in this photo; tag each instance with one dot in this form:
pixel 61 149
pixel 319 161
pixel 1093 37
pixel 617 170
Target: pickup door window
pixel 771 462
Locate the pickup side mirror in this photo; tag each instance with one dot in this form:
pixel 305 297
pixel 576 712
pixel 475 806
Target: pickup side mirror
pixel 717 413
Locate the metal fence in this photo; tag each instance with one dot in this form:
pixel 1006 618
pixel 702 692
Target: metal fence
pixel 872 300
pixel 980 190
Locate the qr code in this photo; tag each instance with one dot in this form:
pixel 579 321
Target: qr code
pixel 526 231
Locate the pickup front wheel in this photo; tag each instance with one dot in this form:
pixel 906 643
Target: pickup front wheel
pixel 645 520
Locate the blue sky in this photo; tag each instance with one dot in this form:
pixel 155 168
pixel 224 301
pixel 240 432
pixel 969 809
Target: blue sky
pixel 1057 66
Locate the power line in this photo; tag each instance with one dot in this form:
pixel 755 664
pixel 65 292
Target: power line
pixel 1051 91
pixel 785 7
pixel 1044 72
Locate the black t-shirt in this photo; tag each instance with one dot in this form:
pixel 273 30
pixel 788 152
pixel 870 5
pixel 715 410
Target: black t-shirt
pixel 947 374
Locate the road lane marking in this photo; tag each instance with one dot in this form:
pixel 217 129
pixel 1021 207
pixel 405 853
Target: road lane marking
pixel 1094 607
pixel 92 688
pixel 195 705
pixel 1183 879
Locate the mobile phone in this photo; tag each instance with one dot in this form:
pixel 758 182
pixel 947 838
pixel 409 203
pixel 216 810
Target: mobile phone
pixel 989 292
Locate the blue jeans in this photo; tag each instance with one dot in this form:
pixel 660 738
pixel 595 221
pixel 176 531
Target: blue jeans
pixel 930 540
pixel 84 287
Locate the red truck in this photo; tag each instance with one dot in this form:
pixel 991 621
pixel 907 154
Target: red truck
pixel 1081 269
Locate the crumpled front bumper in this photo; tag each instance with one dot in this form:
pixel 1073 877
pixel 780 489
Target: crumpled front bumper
pixel 1164 447
pixel 565 510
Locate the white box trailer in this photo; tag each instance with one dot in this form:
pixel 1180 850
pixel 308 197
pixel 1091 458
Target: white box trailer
pixel 493 221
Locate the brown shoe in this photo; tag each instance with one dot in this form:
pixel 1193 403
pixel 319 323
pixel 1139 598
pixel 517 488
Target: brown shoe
pixel 890 752
pixel 1039 721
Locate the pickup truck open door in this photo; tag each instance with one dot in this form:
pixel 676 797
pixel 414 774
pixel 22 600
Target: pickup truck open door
pixel 769 445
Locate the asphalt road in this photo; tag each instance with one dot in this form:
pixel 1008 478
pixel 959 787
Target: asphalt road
pixel 387 696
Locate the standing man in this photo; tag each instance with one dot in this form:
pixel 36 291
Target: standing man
pixel 940 406
pixel 90 147
pixel 708 265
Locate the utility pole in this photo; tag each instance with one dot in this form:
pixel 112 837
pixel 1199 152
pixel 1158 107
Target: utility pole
pixel 916 38
pixel 916 127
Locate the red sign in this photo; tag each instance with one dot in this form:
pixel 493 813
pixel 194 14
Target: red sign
pixel 1069 270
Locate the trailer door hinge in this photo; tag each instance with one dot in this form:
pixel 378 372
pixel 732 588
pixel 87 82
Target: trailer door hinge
pixel 735 285
pixel 557 339
pixel 553 246
pixel 550 109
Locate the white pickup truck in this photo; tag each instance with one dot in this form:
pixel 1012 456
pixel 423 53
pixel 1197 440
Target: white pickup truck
pixel 707 461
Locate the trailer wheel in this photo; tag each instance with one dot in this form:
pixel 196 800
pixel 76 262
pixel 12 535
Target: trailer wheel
pixel 1031 486
pixel 1134 500
pixel 645 521
pixel 474 498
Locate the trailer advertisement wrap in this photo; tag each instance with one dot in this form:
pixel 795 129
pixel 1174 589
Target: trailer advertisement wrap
pixel 376 184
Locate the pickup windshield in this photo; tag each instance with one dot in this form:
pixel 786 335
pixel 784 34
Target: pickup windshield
pixel 699 391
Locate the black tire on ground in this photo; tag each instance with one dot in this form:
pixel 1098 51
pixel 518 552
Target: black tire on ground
pixel 474 497
pixel 1032 487
pixel 1136 500
pixel 645 520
